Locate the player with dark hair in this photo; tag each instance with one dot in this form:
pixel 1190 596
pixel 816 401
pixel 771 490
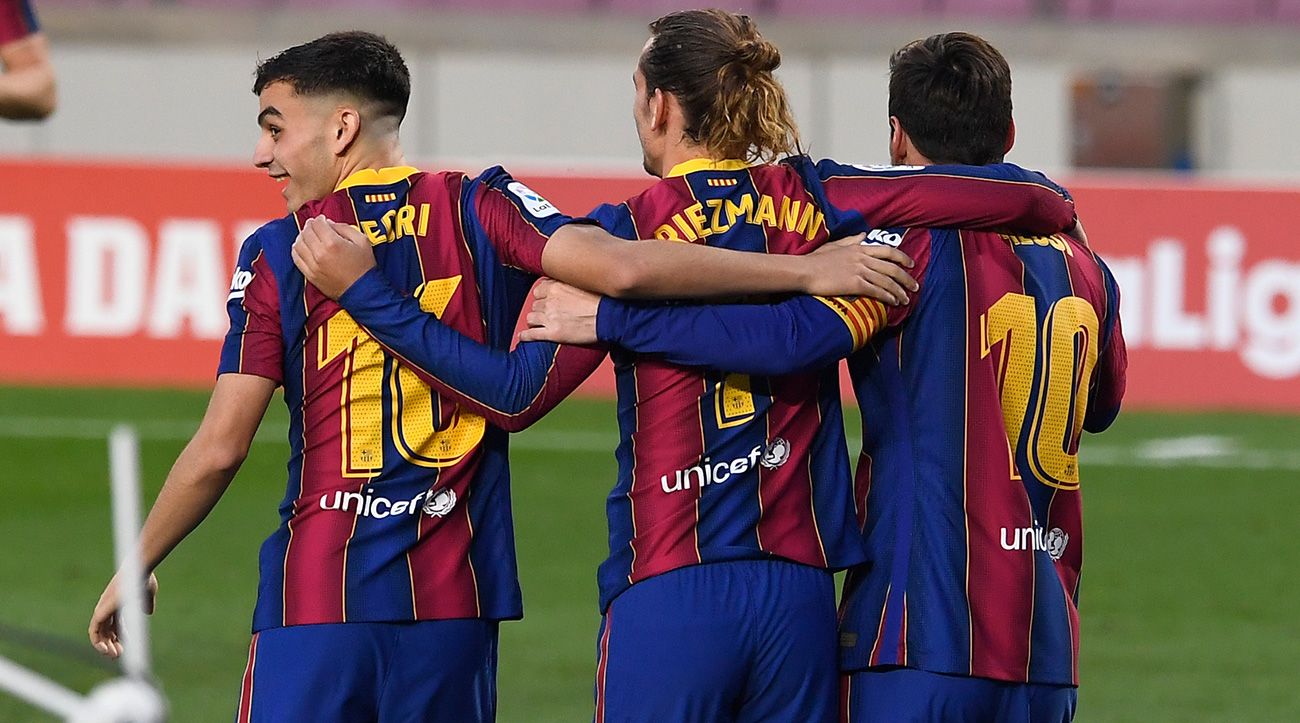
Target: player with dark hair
pixel 381 590
pixel 27 83
pixel 733 494
pixel 974 396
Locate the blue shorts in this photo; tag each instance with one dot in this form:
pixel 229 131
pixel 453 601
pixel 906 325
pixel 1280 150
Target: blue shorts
pixel 906 695
pixel 434 670
pixel 728 641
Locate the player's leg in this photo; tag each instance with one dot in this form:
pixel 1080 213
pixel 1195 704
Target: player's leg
pixel 441 671
pixel 313 672
pixel 671 648
pixel 795 671
pixel 905 695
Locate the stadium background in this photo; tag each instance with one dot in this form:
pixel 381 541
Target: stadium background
pixel 1173 120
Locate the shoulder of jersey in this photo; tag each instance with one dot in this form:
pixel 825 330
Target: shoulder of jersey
pixel 284 227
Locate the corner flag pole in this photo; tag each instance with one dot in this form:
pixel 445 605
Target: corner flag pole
pixel 124 470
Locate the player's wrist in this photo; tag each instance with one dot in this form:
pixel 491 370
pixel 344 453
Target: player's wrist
pixel 805 274
pixel 362 288
pixel 609 322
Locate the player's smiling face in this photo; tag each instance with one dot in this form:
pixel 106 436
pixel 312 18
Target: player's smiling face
pixel 294 146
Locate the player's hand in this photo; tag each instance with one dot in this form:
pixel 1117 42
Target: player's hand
pixel 849 267
pixel 332 255
pixel 104 622
pixel 562 313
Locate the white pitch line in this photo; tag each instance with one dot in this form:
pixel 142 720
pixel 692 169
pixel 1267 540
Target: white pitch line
pixel 1193 451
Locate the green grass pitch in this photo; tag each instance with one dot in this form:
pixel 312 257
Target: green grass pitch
pixel 1189 602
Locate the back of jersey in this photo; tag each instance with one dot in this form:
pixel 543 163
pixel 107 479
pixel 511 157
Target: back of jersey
pixel 716 466
pixel 397 505
pixel 973 412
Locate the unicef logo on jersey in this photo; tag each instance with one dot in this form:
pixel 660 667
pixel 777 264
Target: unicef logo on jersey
pixel 534 203
pixel 708 472
pixel 440 503
pixel 777 452
pixel 368 504
pixel 1053 541
pixel 1056 542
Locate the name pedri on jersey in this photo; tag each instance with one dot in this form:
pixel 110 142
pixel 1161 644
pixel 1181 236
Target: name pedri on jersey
pixel 398 501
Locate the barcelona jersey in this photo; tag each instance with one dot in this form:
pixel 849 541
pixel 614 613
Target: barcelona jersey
pixel 974 397
pixel 712 467
pixel 721 466
pixel 397 506
pixel 716 466
pixel 969 476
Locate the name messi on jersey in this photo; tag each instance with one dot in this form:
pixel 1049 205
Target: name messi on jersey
pixel 402 222
pixel 719 215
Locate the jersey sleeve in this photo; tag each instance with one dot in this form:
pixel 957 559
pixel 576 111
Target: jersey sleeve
pixel 795 335
pixel 17 20
pixel 616 219
pixel 999 196
pixel 1110 378
pixel 509 389
pixel 798 334
pixel 254 344
pixel 515 219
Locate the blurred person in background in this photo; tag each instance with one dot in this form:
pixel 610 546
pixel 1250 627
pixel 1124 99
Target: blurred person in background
pixel 974 396
pixel 27 83
pixel 381 590
pixel 734 501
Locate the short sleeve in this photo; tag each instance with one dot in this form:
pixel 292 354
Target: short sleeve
pixel 516 219
pixel 254 344
pixel 616 219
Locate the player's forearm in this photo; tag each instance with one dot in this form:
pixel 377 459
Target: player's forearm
pixel 763 339
pixel 590 259
pixel 509 389
pixel 196 482
pixel 998 196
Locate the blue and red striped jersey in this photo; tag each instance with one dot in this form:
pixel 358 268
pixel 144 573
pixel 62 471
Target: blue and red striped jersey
pixel 397 506
pixel 718 423
pixel 719 466
pixel 17 20
pixel 716 466
pixel 974 398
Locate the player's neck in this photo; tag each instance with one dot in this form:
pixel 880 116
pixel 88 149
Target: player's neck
pixel 681 153
pixel 376 156
pixel 912 158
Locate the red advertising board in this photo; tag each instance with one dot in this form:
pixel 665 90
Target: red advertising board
pixel 115 274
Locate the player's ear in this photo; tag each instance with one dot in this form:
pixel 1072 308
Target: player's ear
pixel 1011 137
pixel 898 141
pixel 346 129
pixel 658 109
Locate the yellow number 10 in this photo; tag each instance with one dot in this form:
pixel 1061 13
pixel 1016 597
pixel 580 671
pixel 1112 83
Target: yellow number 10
pixel 415 435
pixel 1062 371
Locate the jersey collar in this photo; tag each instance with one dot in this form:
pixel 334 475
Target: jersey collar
pixel 706 164
pixel 381 177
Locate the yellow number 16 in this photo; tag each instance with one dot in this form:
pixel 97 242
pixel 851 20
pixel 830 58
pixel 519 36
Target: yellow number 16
pixel 1062 368
pixel 415 435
